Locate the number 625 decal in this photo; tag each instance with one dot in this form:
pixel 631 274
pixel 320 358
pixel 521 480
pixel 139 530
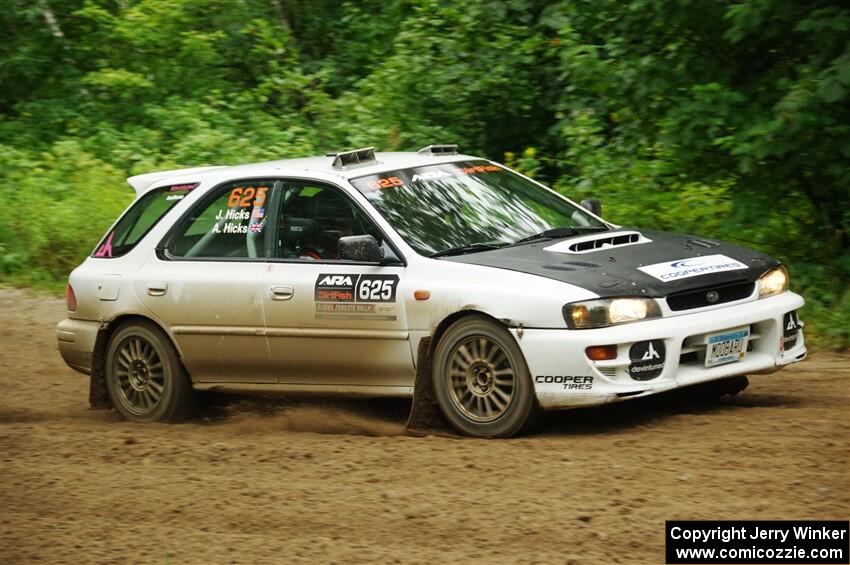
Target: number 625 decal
pixel 376 288
pixel 245 196
pixel 356 288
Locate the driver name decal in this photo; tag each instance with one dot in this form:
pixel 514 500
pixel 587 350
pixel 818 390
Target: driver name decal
pixel 692 267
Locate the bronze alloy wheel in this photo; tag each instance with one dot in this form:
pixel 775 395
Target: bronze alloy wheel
pixel 144 376
pixel 482 379
pixel 139 375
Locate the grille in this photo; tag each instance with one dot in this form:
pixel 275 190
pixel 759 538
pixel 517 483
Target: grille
pixel 698 298
pixel 685 358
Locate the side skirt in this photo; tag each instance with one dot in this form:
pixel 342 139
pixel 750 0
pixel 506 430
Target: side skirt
pixel 359 390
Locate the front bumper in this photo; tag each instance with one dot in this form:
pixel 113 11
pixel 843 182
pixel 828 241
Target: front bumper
pixel 76 343
pixel 564 377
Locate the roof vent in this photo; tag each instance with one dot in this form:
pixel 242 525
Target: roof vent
pixel 354 158
pixel 439 150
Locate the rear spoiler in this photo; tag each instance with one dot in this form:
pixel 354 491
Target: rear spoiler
pixel 141 183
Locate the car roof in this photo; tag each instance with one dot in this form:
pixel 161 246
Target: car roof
pixel 384 161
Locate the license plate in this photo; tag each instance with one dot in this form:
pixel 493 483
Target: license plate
pixel 726 347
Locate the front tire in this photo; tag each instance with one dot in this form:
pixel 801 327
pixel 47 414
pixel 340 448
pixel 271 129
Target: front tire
pixel 145 378
pixel 481 380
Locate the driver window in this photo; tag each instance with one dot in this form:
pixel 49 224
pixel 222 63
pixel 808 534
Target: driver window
pixel 312 219
pixel 231 226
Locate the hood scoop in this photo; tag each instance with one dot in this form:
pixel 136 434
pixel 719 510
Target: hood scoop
pixel 596 242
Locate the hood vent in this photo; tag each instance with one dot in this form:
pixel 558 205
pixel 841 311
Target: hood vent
pixel 581 264
pixel 708 244
pixel 572 266
pixel 596 242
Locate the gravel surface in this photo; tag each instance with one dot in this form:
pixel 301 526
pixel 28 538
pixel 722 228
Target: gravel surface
pixel 259 480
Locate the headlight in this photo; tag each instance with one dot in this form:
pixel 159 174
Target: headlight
pixel 773 282
pixel 609 311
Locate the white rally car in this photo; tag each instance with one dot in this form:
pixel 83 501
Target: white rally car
pixel 444 275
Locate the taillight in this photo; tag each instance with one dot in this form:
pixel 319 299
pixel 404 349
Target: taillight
pixel 70 298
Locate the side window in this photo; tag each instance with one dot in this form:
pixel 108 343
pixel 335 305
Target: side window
pixel 140 218
pixel 231 225
pixel 312 219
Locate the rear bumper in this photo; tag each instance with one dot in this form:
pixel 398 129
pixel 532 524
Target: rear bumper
pixel 76 343
pixel 564 377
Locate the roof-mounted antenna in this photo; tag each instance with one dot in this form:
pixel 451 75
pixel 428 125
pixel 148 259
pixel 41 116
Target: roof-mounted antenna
pixel 354 158
pixel 439 150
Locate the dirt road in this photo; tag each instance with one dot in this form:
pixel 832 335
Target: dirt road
pixel 300 481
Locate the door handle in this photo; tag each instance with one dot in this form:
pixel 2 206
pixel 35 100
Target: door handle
pixel 284 292
pixel 157 288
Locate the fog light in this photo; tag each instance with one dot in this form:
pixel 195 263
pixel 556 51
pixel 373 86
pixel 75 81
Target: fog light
pixel 601 352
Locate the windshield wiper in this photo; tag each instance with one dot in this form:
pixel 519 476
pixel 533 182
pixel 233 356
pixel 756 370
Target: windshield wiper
pixel 468 248
pixel 559 232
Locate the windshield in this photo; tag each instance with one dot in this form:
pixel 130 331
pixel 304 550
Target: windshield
pixel 451 205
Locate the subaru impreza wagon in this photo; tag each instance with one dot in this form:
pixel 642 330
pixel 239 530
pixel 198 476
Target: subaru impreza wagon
pixel 383 273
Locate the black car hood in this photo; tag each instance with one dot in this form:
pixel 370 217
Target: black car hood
pixel 613 271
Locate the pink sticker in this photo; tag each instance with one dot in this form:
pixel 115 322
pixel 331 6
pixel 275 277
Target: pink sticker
pixel 105 249
pixel 189 186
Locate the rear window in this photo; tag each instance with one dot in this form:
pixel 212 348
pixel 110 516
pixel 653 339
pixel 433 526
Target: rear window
pixel 138 220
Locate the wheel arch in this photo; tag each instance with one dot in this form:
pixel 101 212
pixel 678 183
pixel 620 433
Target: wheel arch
pixel 425 415
pixel 447 322
pixel 98 394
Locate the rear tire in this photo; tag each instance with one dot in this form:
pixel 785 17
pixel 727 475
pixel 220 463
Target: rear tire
pixel 144 376
pixel 481 380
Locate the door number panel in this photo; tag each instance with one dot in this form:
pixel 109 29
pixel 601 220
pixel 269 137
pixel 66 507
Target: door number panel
pixel 355 288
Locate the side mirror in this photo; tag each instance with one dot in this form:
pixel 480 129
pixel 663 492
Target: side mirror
pixel 593 205
pixel 363 248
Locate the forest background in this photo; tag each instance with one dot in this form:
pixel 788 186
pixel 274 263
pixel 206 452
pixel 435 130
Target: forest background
pixel 718 118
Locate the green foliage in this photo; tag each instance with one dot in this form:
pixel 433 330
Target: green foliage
pixel 728 120
pixel 50 203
